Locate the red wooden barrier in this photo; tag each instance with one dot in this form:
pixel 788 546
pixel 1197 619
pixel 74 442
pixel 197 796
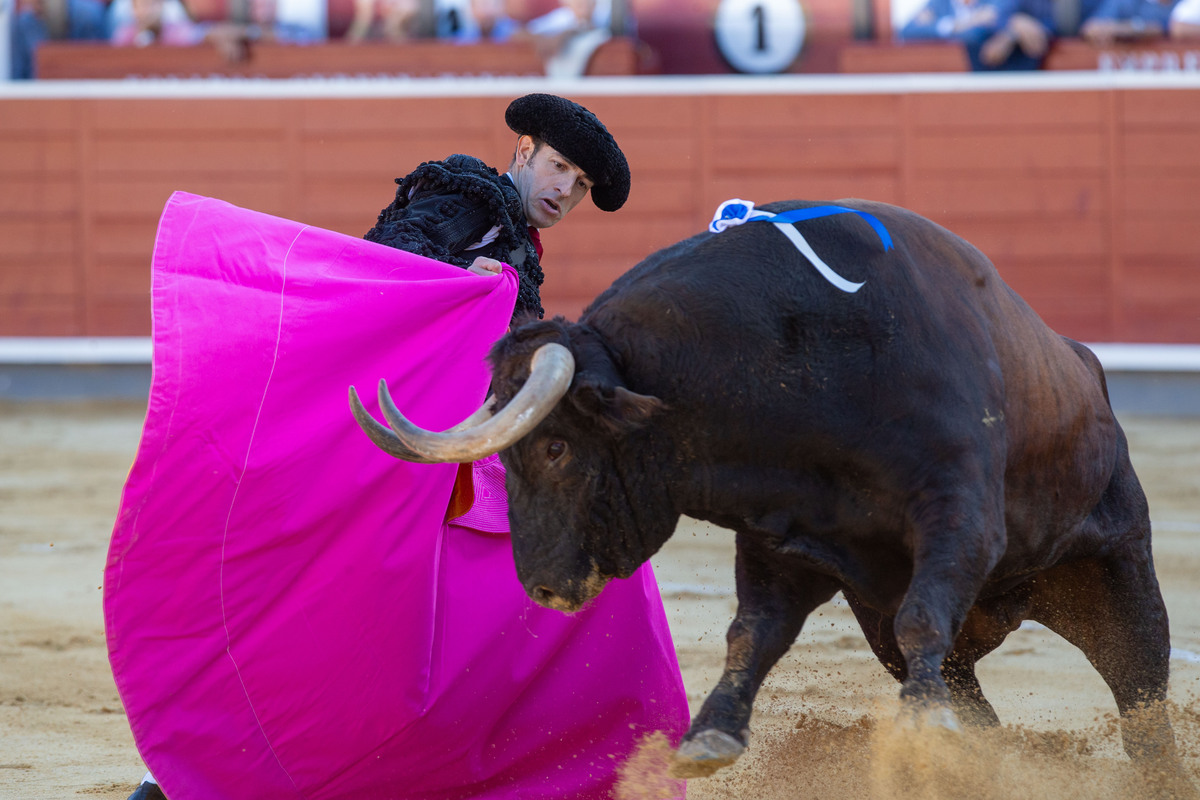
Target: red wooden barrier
pixel 1085 198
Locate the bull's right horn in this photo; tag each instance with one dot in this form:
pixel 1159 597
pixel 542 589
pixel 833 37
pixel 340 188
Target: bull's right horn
pixel 550 372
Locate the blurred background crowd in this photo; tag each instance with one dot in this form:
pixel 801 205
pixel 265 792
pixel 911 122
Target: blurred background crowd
pixel 1016 34
pixel 995 34
pixel 231 26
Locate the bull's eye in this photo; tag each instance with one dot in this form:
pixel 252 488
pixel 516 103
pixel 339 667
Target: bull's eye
pixel 555 449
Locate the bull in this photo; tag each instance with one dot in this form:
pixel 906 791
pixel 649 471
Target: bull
pixel 916 438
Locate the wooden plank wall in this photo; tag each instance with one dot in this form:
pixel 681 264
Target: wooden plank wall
pixel 1085 199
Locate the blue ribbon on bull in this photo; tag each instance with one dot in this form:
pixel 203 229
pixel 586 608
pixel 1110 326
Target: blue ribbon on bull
pixel 737 212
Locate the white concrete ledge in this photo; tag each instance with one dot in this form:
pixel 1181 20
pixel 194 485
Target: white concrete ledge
pixel 342 87
pixel 63 350
pixel 1148 357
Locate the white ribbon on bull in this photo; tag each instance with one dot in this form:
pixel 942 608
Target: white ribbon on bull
pixel 738 212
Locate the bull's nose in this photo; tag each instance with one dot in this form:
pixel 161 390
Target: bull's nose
pixel 546 597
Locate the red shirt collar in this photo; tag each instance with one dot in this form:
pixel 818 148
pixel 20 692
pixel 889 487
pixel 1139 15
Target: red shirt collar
pixel 535 236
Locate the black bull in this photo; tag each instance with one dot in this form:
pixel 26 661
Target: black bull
pixel 926 445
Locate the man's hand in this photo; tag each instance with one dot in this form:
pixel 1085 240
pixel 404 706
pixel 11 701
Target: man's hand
pixel 997 48
pixel 1030 34
pixel 485 266
pixel 231 41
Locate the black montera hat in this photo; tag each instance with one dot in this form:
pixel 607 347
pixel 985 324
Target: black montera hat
pixel 576 133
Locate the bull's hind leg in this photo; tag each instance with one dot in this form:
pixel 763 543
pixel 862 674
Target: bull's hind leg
pixel 1110 607
pixel 1112 610
pixel 775 596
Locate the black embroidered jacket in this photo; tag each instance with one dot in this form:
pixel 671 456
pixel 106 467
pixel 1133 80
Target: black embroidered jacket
pixel 444 207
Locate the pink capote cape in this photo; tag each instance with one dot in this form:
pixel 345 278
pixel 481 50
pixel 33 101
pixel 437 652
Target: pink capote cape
pixel 287 613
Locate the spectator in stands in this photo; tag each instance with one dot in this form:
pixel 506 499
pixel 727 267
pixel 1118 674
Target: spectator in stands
pixel 233 38
pixel 37 21
pixel 486 21
pixel 387 20
pixel 567 36
pixel 571 17
pixel 1126 20
pixel 299 21
pixel 267 24
pixel 462 21
pixel 1185 20
pixel 997 34
pixel 1022 43
pixel 142 22
pixel 1070 14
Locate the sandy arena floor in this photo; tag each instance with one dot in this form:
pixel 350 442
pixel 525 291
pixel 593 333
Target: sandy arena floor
pixel 822 727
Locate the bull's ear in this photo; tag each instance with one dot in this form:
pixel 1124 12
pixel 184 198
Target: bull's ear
pixel 636 409
pixel 614 406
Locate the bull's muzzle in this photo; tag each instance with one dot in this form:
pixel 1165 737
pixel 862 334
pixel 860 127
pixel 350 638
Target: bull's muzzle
pixel 546 597
pixel 571 597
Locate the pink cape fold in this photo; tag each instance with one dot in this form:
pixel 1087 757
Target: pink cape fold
pixel 287 613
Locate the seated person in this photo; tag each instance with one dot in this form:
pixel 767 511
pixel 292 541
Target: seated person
pixel 268 22
pixel 39 20
pixel 1126 20
pixel 485 21
pixel 386 20
pixel 233 38
pixel 1023 42
pixel 571 17
pixel 567 36
pixel 997 34
pixel 300 21
pixel 1185 20
pixel 143 22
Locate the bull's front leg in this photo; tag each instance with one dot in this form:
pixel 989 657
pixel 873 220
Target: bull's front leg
pixel 775 595
pixel 958 535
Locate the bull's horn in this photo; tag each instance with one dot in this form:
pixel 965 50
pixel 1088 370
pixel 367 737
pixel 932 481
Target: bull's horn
pixel 484 433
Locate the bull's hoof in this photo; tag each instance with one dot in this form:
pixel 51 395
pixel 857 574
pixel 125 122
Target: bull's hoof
pixel 928 716
pixel 704 754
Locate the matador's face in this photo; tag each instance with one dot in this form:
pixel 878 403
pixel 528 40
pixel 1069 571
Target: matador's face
pixel 549 183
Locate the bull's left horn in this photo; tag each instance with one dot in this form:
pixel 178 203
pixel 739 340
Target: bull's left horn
pixel 550 373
